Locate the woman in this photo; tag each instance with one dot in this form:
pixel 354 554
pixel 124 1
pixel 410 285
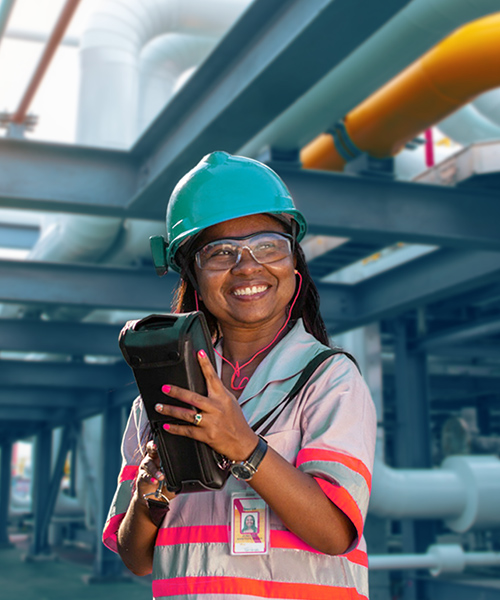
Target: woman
pixel 233 235
pixel 249 526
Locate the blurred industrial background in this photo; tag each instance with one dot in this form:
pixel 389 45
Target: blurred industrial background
pixel 383 118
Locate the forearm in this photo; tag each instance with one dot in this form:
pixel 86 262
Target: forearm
pixel 136 538
pixel 302 506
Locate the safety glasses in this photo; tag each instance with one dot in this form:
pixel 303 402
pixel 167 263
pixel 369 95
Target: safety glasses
pixel 264 246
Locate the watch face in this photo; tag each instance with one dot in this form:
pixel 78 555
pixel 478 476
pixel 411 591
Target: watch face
pixel 241 471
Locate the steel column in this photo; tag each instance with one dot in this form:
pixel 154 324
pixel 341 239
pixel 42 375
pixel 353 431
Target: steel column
pixel 107 564
pixel 41 482
pixel 412 444
pixel 5 483
pixel 55 481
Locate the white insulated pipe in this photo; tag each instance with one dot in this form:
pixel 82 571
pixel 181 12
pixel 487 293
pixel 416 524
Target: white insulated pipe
pixel 439 559
pixel 163 62
pixel 110 58
pixel 488 104
pixel 468 125
pixel 120 53
pixel 465 492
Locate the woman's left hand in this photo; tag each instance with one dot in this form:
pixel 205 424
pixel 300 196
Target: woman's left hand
pixel 222 425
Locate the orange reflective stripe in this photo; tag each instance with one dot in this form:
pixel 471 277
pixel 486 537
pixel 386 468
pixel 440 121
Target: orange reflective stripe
pixel 358 557
pixel 251 587
pixel 343 500
pixel 110 531
pixel 314 454
pixel 128 473
pixel 219 534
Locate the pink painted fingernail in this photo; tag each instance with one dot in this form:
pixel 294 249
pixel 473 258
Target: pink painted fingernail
pixel 166 389
pixel 153 480
pixel 159 407
pixel 202 353
pixel 166 426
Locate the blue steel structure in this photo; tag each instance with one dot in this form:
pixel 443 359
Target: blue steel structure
pixel 273 55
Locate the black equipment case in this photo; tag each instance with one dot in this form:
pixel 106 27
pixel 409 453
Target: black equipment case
pixel 162 349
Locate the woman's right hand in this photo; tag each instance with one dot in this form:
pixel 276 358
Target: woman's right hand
pixel 150 474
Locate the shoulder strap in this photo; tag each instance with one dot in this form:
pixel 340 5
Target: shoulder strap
pixel 308 370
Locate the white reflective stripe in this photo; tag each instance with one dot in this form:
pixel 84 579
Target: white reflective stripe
pixel 336 472
pixel 283 565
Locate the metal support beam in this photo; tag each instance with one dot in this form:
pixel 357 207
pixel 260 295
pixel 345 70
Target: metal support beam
pixel 458 335
pixel 43 460
pixel 422 281
pixel 59 337
pixel 28 408
pixel 274 54
pixel 107 564
pixel 380 211
pixel 428 279
pixel 71 179
pixel 19 374
pixel 5 485
pixel 55 284
pixel 62 178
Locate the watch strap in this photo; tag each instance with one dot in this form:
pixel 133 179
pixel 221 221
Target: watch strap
pixel 253 461
pixel 258 454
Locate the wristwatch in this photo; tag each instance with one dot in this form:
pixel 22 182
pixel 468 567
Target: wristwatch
pixel 246 469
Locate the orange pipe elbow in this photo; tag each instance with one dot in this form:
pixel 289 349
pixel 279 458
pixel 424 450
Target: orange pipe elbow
pixel 451 74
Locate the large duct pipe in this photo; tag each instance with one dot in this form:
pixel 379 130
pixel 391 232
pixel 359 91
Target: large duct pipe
pixel 468 125
pixel 120 53
pixel 450 75
pixel 410 33
pixel 488 105
pixel 110 57
pixel 465 492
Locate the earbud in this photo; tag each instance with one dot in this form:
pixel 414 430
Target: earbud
pixel 295 271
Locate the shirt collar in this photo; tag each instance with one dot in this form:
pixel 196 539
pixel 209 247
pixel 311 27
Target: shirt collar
pixel 285 360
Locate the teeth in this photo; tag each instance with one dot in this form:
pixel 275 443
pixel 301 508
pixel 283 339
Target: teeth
pixel 249 291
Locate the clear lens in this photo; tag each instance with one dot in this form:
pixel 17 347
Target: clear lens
pixel 265 248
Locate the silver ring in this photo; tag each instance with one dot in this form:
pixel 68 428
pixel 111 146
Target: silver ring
pixel 197 419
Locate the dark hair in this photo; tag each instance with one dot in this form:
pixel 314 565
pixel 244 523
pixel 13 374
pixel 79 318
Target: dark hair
pixel 307 305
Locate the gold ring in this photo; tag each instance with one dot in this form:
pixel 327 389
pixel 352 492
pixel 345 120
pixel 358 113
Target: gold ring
pixel 197 419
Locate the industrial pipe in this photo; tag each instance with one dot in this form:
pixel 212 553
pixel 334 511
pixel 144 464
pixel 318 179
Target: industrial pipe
pixel 465 492
pixel 447 77
pixel 439 558
pixel 5 9
pixel 467 126
pixel 48 53
pixel 403 39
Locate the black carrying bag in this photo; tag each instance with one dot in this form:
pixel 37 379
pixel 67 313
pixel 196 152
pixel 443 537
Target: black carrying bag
pixel 163 349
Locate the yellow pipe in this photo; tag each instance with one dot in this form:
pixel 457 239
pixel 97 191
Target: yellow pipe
pixel 451 74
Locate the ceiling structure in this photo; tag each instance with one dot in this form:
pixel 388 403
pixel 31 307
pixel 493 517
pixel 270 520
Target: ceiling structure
pixel 274 54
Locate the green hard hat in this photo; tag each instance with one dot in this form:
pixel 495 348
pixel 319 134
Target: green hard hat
pixel 223 187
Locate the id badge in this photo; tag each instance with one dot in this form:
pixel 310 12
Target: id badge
pixel 249 525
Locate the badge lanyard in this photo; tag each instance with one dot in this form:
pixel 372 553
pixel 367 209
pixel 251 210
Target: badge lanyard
pixel 249 525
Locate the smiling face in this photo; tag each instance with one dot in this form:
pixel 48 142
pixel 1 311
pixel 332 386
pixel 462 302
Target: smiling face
pixel 249 294
pixel 249 521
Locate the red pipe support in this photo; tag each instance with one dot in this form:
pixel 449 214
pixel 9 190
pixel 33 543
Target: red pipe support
pixel 48 53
